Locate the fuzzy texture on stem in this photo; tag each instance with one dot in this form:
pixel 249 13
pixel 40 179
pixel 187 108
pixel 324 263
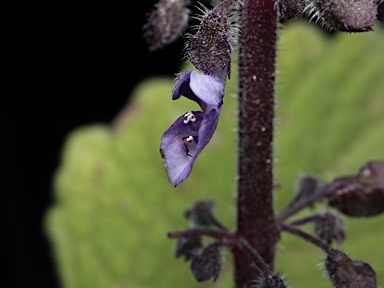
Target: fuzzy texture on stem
pixel 255 219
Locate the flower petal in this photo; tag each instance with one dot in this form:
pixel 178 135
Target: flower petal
pixel 208 88
pixel 182 87
pixel 207 128
pixel 183 142
pixel 177 162
pixel 203 89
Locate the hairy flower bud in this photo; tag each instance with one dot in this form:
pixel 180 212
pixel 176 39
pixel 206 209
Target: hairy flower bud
pixel 290 9
pixel 361 195
pixel 329 226
pixel 202 214
pixel 188 247
pixel 307 186
pixel 166 23
pixel 209 49
pixel 206 266
pixel 347 273
pixel 343 15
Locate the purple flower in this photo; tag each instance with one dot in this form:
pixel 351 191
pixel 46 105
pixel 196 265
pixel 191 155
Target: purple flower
pixel 190 133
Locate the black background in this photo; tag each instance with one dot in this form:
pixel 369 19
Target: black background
pixel 63 66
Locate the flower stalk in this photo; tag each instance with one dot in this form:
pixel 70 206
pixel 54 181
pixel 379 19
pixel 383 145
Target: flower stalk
pixel 257 53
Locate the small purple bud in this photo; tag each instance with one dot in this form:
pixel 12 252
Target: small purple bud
pixel 206 266
pixel 307 186
pixel 203 214
pixel 329 226
pixel 188 247
pixel 347 273
pixel 210 48
pixel 166 23
pixel 343 15
pixel 361 195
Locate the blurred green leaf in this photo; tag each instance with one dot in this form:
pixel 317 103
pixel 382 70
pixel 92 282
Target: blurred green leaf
pixel 114 204
pixel 330 122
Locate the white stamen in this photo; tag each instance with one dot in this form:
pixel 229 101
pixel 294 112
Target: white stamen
pixel 189 117
pixel 189 139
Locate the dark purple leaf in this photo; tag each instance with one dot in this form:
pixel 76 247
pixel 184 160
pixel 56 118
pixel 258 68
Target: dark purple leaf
pixel 347 273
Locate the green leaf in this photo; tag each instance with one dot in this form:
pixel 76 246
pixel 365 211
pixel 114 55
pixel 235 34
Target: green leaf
pixel 114 204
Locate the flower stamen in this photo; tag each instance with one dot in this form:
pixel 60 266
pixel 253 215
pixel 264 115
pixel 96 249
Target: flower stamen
pixel 189 117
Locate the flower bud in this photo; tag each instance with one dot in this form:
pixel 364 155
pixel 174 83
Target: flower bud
pixel 343 15
pixel 202 213
pixel 307 186
pixel 290 9
pixel 347 273
pixel 329 226
pixel 188 247
pixel 209 49
pixel 206 266
pixel 361 195
pixel 166 23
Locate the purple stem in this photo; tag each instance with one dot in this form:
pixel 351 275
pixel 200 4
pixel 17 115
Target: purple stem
pixel 227 238
pixel 304 220
pixel 326 191
pixel 255 218
pixel 193 232
pixel 308 237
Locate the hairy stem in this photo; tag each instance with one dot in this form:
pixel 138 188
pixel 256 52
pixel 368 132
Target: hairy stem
pixel 308 237
pixel 217 234
pixel 327 190
pixel 227 238
pixel 304 220
pixel 255 218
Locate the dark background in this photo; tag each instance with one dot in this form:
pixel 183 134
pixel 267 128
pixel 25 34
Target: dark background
pixel 63 66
